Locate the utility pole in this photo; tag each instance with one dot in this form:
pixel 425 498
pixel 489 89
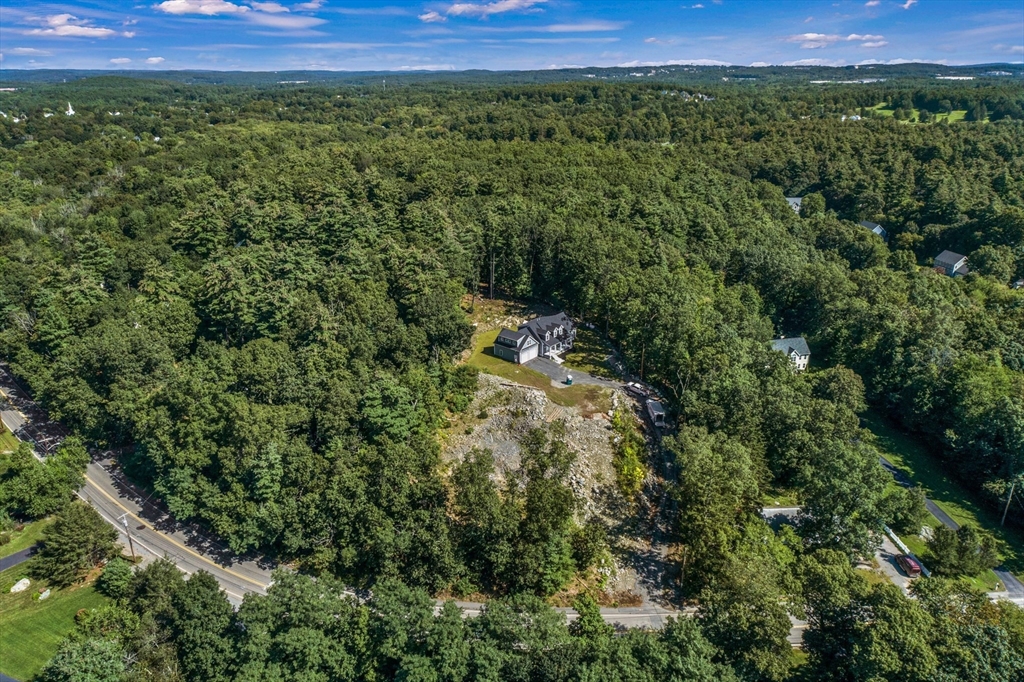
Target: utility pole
pixel 124 520
pixel 1012 486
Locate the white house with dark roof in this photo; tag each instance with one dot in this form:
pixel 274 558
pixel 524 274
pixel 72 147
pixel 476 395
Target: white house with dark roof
pixel 796 349
pixel 952 263
pixel 876 228
pixel 794 203
pixel 554 333
pixel 540 337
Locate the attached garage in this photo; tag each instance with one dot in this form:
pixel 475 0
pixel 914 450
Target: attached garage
pixel 517 347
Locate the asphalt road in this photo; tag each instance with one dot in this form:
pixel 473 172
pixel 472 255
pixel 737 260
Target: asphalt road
pixel 1014 589
pixel 154 533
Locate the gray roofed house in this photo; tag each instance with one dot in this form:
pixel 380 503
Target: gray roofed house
pixel 796 349
pixel 952 263
pixel 1019 284
pixel 794 203
pixel 876 228
pixel 553 333
pixel 517 347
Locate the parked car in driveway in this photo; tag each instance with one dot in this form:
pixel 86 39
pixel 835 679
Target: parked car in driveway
pixel 909 565
pixel 635 389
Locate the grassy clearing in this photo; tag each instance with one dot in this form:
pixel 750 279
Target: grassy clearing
pixel 773 496
pixel 8 443
pixel 872 576
pixel 589 398
pixel 962 505
pixel 590 354
pixel 25 538
pixel 31 630
pixel 883 109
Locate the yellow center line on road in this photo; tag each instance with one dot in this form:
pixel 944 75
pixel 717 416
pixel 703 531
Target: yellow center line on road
pixel 174 542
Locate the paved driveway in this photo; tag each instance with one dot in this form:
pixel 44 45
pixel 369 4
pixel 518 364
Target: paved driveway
pixel 886 557
pixel 17 558
pixel 558 373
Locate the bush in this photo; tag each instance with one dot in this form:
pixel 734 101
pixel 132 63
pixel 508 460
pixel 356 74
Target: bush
pixel 116 580
pixel 904 510
pixel 967 551
pixel 76 541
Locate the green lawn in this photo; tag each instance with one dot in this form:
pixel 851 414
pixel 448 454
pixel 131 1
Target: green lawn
pixel 884 110
pixel 30 630
pixel 589 398
pixel 590 354
pixel 925 470
pixel 7 440
pixel 27 537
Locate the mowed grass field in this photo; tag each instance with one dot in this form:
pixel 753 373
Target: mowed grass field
pixel 954 116
pixel 31 630
pixel 962 505
pixel 7 440
pixel 28 536
pixel 588 397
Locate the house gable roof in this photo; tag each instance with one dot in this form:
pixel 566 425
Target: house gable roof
pixel 539 326
pixel 518 340
pixel 797 345
pixel 874 227
pixel 950 258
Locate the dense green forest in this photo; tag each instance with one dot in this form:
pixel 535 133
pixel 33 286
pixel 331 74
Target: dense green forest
pixel 257 293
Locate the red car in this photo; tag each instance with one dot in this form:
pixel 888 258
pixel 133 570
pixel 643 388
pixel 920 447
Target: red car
pixel 909 565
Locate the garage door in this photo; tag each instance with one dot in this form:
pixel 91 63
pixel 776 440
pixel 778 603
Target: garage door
pixel 528 354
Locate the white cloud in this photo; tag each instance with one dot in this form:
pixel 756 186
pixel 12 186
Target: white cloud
pixel 875 43
pixel 120 60
pixel 759 64
pixel 208 7
pixel 154 60
pixel 582 27
pixel 808 20
pixel 486 9
pixel 1012 49
pixel 268 7
pixel 68 25
pixel 432 17
pixel 29 52
pixel 908 4
pixel 284 21
pixel 900 60
pixel 816 62
pixel 427 67
pixel 873 3
pixel 675 62
pixel 554 41
pixel 811 41
pixel 309 6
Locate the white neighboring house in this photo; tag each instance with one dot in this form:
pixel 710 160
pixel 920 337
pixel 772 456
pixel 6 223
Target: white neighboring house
pixel 876 228
pixel 952 263
pixel 794 203
pixel 70 111
pixel 796 349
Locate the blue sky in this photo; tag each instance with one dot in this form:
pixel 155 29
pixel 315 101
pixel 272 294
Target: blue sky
pixel 356 35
